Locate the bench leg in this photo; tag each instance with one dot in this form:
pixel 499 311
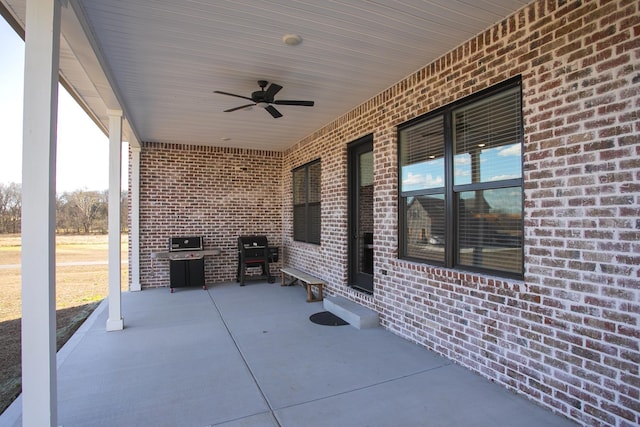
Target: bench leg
pixel 284 281
pixel 310 297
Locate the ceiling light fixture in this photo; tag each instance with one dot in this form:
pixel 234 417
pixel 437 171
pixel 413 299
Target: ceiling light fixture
pixel 291 39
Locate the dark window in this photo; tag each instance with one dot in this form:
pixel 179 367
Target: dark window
pixel 460 178
pixel 306 203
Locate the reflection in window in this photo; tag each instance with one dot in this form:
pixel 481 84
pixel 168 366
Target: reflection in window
pixel 487 139
pixel 422 156
pixel 490 229
pixel 425 227
pixel 306 203
pixel 460 173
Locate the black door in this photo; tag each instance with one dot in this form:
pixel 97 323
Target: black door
pixel 361 214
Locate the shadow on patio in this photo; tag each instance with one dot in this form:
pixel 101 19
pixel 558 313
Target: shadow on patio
pixel 249 356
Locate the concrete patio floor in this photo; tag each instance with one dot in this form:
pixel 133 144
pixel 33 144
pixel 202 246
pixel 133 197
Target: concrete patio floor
pixel 249 356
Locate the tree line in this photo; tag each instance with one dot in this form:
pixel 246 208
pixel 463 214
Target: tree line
pixel 77 212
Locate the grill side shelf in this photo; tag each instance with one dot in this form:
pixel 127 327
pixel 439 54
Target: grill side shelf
pixel 185 254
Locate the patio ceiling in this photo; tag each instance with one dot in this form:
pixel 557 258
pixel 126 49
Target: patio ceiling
pixel 160 60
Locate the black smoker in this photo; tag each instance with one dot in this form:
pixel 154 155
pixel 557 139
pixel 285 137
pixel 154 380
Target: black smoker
pixel 254 251
pixel 186 265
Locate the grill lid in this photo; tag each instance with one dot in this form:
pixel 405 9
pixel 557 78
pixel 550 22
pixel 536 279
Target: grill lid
pixel 189 243
pixel 246 242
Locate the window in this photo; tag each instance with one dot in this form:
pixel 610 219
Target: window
pixel 306 203
pixel 460 172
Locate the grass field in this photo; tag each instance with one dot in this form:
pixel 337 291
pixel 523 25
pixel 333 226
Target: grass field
pixel 79 289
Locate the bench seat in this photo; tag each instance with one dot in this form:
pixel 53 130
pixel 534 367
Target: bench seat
pixel 307 280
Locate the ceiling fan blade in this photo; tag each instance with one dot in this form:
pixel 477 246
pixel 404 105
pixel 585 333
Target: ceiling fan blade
pixel 272 110
pixel 238 108
pixel 301 103
pixel 232 94
pixel 272 90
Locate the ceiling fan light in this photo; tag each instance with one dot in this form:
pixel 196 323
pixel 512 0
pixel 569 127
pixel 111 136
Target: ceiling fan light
pixel 262 104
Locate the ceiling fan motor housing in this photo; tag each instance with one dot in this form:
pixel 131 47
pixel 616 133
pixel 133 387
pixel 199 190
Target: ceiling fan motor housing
pixel 260 96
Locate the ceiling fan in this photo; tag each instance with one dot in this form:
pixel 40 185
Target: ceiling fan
pixel 264 98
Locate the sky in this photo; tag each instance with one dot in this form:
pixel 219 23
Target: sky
pixel 496 164
pixel 83 149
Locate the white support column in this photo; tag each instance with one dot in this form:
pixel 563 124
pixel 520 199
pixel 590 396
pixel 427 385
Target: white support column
pixel 134 267
pixel 115 321
pixel 42 48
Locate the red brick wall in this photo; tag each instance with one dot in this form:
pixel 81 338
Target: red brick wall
pixel 218 193
pixel 568 335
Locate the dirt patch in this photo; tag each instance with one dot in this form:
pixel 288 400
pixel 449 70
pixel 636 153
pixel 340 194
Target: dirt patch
pixel 79 290
pixel 68 321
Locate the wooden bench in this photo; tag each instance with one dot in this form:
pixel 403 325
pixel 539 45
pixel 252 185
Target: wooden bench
pixel 307 280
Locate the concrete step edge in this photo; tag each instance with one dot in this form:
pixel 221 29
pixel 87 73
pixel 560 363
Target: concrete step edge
pixel 355 314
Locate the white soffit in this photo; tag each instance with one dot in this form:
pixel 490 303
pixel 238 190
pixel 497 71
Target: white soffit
pixel 165 58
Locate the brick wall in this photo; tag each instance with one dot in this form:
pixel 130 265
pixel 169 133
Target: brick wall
pixel 218 193
pixel 568 335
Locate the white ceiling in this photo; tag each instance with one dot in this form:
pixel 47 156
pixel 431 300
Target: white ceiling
pixel 162 59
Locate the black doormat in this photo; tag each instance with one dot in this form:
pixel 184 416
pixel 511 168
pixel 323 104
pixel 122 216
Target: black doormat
pixel 327 318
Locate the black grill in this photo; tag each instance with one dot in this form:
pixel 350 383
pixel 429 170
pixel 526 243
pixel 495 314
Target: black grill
pixel 254 251
pixel 186 268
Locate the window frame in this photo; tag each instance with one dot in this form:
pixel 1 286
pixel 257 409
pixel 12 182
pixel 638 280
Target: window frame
pixel 310 227
pixel 451 190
